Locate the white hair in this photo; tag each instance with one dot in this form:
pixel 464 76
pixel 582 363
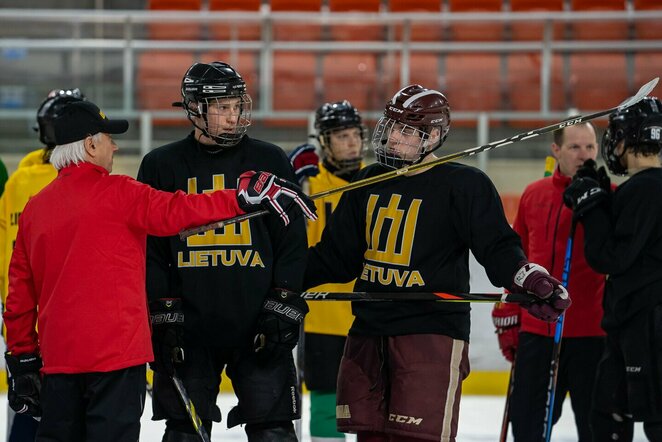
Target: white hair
pixel 64 155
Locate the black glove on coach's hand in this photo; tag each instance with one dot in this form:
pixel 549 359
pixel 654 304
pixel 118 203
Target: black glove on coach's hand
pixel 24 383
pixel 582 195
pixel 279 322
pixel 264 190
pixel 167 320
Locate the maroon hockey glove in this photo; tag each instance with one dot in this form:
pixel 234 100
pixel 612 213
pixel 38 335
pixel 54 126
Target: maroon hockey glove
pixel 24 383
pixel 279 322
pixel 506 319
pixel 305 162
pixel 167 319
pixel 263 190
pixel 534 279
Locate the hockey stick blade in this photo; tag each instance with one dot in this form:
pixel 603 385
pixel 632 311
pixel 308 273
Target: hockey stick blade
pixel 190 409
pixel 643 92
pixel 419 296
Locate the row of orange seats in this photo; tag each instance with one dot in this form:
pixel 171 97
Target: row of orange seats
pixel 472 82
pixel 463 31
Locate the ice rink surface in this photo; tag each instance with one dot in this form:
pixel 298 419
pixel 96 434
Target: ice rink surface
pixel 480 421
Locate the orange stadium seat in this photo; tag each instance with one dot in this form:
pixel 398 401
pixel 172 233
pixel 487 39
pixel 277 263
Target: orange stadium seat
pixel 174 30
pixel 648 65
pixel 239 30
pixel 464 91
pixel 523 83
pixel 355 29
pixel 296 30
pixel 293 85
pixel 418 32
pixel 476 31
pixel 603 29
pixel 647 29
pixel 158 81
pixel 353 77
pixel 423 70
pixel 598 80
pixel 523 30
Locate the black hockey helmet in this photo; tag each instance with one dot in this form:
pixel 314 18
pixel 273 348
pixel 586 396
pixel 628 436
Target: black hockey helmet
pixel 412 110
pixel 50 108
pixel 339 115
pixel 638 126
pixel 204 84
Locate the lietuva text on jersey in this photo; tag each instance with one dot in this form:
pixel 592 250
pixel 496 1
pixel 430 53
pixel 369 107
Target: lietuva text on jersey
pixel 413 234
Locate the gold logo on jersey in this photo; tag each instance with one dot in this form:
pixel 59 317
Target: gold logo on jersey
pixel 238 234
pixel 390 235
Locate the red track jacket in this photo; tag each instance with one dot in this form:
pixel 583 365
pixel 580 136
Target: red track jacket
pixel 78 267
pixel 544 222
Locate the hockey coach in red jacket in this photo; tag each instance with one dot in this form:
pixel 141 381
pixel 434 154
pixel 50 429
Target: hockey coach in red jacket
pixel 77 281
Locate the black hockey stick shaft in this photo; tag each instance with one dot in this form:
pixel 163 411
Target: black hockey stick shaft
pixel 643 92
pixel 190 409
pixel 419 296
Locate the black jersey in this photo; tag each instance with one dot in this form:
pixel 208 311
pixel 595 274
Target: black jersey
pixel 222 275
pixel 413 234
pixel 624 240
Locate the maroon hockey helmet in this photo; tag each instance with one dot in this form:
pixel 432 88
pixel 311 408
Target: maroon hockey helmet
pixel 412 118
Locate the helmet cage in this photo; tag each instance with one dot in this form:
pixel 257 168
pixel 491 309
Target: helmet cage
pixel 390 133
pixel 346 164
pixel 198 114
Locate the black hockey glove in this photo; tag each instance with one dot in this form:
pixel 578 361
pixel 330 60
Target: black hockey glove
pixel 24 383
pixel 583 195
pixel 590 170
pixel 535 279
pixel 167 320
pixel 263 190
pixel 305 162
pixel 278 323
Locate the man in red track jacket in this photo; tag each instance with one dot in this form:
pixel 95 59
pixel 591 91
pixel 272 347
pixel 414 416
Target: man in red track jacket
pixel 78 272
pixel 543 223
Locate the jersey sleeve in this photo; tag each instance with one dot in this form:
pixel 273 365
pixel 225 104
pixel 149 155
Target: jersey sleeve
pixel 20 314
pixel 338 256
pixel 481 221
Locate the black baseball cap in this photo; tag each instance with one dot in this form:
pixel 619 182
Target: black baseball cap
pixel 80 119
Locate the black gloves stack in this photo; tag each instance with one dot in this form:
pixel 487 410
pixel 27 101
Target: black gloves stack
pixel 279 322
pixel 589 188
pixel 24 383
pixel 167 320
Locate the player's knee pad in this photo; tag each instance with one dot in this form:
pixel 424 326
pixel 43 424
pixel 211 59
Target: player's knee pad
pixel 611 426
pixel 271 432
pixel 653 430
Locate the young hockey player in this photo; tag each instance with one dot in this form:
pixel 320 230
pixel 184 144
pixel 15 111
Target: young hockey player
pixel 403 365
pixel 225 282
pixel 622 238
pixel 341 135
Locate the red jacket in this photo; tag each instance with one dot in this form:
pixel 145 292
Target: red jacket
pixel 544 222
pixel 78 267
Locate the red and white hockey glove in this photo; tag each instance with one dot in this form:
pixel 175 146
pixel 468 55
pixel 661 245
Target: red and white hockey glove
pixel 263 190
pixel 305 162
pixel 506 319
pixel 535 279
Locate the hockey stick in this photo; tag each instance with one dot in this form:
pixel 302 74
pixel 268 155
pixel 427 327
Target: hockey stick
pixel 190 408
pixel 550 164
pixel 643 92
pixel 419 296
pixel 556 348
